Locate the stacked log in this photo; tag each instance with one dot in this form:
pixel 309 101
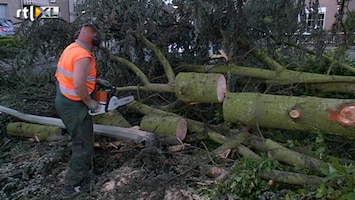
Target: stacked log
pixel 165 126
pixel 200 87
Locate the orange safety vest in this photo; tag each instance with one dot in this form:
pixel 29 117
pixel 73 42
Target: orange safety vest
pixel 65 69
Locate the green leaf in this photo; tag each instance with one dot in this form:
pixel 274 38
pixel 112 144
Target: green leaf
pixel 348 196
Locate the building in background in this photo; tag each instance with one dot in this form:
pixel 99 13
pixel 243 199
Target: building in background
pixel 325 18
pixel 323 15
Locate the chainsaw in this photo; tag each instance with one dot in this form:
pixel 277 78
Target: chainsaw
pixel 108 101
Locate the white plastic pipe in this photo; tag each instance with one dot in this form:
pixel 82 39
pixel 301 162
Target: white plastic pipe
pixel 110 131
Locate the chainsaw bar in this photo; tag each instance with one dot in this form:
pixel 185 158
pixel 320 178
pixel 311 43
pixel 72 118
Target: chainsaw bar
pixel 112 105
pixel 116 102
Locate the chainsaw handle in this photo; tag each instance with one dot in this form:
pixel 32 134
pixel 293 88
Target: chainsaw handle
pixel 110 94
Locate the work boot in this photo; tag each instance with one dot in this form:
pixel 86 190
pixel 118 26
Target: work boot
pixel 70 190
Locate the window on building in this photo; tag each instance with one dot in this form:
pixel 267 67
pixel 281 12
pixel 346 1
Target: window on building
pixel 313 19
pixel 4 11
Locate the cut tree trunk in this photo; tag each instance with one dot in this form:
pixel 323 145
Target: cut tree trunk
pixel 40 132
pixel 285 112
pixel 165 125
pixel 199 87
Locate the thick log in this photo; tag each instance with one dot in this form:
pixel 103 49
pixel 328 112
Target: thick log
pixel 199 87
pixel 165 125
pixel 112 118
pixel 285 112
pixel 40 132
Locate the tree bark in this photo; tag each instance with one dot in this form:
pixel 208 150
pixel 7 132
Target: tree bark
pixel 198 87
pixel 165 125
pixel 41 132
pixel 273 111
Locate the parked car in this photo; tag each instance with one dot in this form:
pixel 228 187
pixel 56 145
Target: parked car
pixel 6 27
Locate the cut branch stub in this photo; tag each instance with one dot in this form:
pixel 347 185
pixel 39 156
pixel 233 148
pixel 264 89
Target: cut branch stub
pixel 295 114
pixel 164 125
pixel 345 115
pixel 199 87
pixel 273 111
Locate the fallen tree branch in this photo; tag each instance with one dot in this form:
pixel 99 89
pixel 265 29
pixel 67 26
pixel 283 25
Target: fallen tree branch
pixel 241 149
pixel 280 153
pixel 284 77
pixel 290 177
pixel 231 144
pixel 262 56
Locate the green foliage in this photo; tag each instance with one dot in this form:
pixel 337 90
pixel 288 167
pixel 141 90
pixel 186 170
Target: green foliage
pixel 9 47
pixel 320 146
pixel 243 182
pixel 7 41
pixel 340 181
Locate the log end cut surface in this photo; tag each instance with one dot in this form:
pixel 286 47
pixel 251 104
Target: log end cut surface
pixel 221 88
pixel 181 129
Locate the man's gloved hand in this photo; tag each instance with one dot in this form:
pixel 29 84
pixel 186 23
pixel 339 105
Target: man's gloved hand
pixel 96 108
pixel 103 82
pixel 93 105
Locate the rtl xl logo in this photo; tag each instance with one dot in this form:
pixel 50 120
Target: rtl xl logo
pixel 37 12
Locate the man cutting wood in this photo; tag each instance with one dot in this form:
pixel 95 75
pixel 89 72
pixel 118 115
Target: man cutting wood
pixel 76 76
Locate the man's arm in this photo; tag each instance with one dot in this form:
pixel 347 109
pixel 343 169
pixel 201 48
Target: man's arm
pixel 81 71
pixel 223 54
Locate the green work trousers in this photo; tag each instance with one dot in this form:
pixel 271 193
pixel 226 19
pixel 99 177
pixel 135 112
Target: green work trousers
pixel 79 125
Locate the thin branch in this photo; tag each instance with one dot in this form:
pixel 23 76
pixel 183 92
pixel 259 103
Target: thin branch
pixel 148 87
pixel 165 63
pixel 129 64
